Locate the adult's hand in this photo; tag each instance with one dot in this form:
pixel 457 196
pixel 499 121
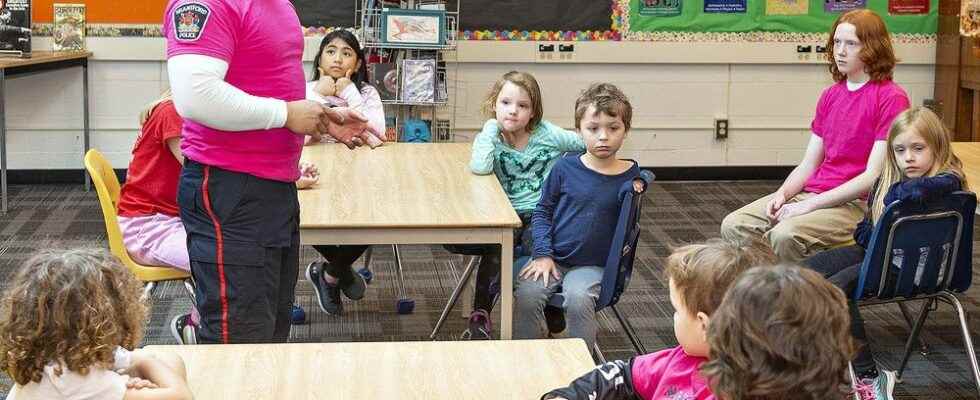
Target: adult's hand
pixel 353 130
pixel 307 117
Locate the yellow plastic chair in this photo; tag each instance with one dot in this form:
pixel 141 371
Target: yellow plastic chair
pixel 107 185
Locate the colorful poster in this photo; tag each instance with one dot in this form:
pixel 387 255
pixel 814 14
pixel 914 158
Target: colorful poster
pixel 660 8
pixel 836 6
pixel 724 6
pixel 787 7
pixel 901 7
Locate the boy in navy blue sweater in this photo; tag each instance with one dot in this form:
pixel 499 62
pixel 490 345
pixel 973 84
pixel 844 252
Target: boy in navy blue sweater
pixel 573 224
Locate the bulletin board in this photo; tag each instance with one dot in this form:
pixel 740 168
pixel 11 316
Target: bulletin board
pixel 778 16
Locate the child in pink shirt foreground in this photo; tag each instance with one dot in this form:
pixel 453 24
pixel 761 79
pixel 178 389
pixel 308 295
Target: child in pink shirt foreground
pixel 698 275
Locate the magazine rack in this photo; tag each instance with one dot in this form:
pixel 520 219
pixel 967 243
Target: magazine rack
pixel 422 32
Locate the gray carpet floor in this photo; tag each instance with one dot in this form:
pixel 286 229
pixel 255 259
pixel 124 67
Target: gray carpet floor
pixel 674 213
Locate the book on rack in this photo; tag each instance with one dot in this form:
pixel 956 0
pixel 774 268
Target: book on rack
pixel 384 78
pixel 391 133
pixel 15 27
pixel 418 84
pixel 69 27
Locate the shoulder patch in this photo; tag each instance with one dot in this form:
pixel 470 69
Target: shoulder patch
pixel 190 20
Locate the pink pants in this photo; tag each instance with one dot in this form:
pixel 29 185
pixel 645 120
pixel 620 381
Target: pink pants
pixel 156 240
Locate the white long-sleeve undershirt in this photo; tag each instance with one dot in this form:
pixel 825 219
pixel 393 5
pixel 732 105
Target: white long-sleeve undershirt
pixel 201 94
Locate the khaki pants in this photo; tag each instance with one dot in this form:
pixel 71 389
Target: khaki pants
pixel 799 237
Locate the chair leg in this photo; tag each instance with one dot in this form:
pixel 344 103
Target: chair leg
pixel 630 332
pixel 967 339
pixel 454 297
pixel 916 328
pixel 597 354
pixel 189 287
pixel 923 347
pixel 147 290
pixel 403 305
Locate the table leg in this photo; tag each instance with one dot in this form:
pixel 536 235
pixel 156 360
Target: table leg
pixel 85 133
pixel 507 284
pixel 3 144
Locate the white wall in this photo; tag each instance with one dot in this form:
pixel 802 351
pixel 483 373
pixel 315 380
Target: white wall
pixel 676 97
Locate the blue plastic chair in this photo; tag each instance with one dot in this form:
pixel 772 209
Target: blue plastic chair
pixel 619 263
pixel 922 252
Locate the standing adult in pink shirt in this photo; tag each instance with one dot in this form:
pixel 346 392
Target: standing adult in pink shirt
pixel 236 73
pixel 819 204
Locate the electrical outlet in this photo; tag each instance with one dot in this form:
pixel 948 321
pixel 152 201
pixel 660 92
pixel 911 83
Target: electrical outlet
pixel 721 129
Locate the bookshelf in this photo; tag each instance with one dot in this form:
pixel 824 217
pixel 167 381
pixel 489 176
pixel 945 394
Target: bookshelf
pixel 410 47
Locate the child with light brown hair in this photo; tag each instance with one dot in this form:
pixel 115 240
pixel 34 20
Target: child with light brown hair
pixel 69 321
pixel 698 276
pixel 780 333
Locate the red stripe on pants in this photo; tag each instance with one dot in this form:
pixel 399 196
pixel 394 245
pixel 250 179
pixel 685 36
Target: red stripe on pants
pixel 219 254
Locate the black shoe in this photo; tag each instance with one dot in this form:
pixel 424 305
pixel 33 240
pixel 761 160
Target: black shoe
pixel 183 330
pixel 554 317
pixel 479 326
pixel 328 296
pixel 354 285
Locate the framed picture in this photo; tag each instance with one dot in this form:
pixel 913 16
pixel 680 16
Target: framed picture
pixel 413 28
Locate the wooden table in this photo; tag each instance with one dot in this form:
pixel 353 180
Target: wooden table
pixel 40 61
pixel 969 154
pixel 408 193
pixel 517 369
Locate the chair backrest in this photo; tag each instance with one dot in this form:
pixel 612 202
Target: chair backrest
pixel 919 249
pixel 622 250
pixel 107 186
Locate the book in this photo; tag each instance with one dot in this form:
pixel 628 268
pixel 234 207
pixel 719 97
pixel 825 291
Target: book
pixel 69 27
pixel 15 27
pixel 418 84
pixel 970 19
pixel 384 78
pixel 391 134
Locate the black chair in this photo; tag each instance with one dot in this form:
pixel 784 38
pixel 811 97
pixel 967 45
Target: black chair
pixel 922 252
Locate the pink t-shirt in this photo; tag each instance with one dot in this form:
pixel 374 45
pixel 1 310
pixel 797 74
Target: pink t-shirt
pixel 849 123
pixel 670 375
pixel 262 42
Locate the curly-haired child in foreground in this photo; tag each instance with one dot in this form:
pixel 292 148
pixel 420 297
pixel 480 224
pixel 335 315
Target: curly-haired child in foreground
pixel 68 322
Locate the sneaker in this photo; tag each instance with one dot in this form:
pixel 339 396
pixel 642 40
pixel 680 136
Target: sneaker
pixel 479 326
pixel 183 330
pixel 328 296
pixel 354 286
pixel 298 316
pixel 554 317
pixel 879 388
